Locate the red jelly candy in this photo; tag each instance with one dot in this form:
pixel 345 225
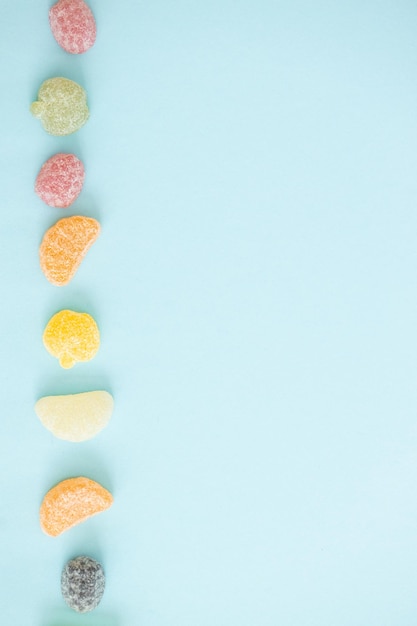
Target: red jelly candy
pixel 60 180
pixel 73 25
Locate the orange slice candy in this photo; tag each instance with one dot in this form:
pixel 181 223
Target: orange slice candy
pixel 65 245
pixel 71 502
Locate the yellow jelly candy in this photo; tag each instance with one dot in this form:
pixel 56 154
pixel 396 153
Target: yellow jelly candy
pixel 75 417
pixel 71 337
pixel 61 106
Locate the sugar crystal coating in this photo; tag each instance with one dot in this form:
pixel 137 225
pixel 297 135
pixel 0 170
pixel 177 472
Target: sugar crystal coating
pixel 61 106
pixel 71 502
pixel 75 417
pixel 82 583
pixel 65 245
pixel 60 180
pixel 71 337
pixel 73 25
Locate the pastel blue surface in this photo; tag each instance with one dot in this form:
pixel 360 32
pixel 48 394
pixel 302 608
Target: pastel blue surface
pixel 254 168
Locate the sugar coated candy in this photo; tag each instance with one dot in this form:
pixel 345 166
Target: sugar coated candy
pixel 60 180
pixel 82 583
pixel 71 502
pixel 61 106
pixel 73 25
pixel 75 417
pixel 71 337
pixel 65 245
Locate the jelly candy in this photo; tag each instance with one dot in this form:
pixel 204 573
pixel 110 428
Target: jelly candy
pixel 65 245
pixel 71 337
pixel 71 502
pixel 73 25
pixel 82 584
pixel 75 417
pixel 60 180
pixel 61 106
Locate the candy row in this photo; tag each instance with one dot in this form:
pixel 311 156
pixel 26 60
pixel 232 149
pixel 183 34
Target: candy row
pixel 70 336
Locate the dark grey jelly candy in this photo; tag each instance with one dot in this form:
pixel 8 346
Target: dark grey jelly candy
pixel 82 584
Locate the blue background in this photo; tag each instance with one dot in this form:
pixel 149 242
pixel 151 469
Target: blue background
pixel 253 166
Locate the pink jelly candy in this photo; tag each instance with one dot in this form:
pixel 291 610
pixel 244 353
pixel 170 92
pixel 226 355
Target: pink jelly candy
pixel 60 180
pixel 73 25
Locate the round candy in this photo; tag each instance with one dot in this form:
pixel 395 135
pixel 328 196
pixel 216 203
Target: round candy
pixel 61 106
pixel 71 502
pixel 82 584
pixel 73 25
pixel 71 337
pixel 60 180
pixel 65 245
pixel 75 417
